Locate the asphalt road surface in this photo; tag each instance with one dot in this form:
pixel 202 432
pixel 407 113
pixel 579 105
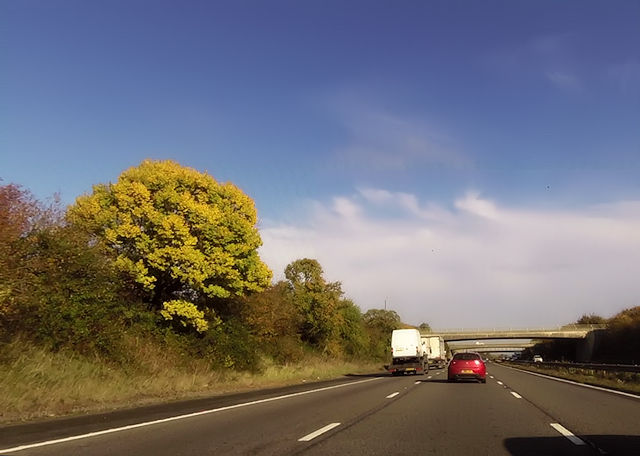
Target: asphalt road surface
pixel 514 413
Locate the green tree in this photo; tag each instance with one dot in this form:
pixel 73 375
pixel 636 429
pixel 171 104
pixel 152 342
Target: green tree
pixel 380 324
pixel 180 234
pixel 384 321
pixel 622 341
pixel 56 287
pixel 425 327
pixel 275 321
pixel 316 299
pixel 352 333
pixel 272 314
pixel 591 319
pixel 17 210
pixel 74 297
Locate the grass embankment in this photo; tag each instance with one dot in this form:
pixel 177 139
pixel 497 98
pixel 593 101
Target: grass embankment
pixel 36 383
pixel 621 381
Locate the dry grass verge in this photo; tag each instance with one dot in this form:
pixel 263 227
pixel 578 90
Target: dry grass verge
pixel 36 383
pixel 622 381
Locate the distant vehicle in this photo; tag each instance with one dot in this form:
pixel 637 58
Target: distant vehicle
pixel 436 354
pixel 467 366
pixel 407 352
pixel 537 358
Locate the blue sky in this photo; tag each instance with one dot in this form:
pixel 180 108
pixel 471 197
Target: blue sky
pixel 532 107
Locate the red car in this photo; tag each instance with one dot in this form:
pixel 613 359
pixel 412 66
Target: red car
pixel 467 366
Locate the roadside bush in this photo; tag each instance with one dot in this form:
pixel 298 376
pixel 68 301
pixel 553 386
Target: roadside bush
pixel 18 210
pixel 275 322
pixel 69 293
pixel 380 324
pixel 354 339
pixel 621 343
pixel 228 345
pixel 285 350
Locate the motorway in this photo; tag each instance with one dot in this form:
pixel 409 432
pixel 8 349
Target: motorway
pixel 514 413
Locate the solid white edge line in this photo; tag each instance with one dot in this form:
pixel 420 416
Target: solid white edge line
pixel 320 431
pixel 516 395
pixel 178 417
pixel 567 433
pixel 499 382
pixel 392 395
pixel 564 380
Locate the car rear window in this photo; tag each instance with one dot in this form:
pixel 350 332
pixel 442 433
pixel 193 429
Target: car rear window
pixel 465 356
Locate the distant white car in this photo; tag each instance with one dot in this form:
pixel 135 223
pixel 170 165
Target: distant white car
pixel 537 358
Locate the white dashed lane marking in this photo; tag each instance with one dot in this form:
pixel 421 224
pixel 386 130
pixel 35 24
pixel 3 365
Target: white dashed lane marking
pixel 500 383
pixel 320 431
pixel 516 395
pixel 392 395
pixel 567 433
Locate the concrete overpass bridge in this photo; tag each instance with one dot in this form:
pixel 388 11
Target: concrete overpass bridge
pixel 585 335
pixel 563 332
pixel 491 348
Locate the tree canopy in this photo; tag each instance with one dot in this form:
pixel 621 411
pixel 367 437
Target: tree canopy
pixel 55 285
pixel 178 232
pixel 385 321
pixel 380 324
pixel 591 319
pixel 317 300
pixel 425 327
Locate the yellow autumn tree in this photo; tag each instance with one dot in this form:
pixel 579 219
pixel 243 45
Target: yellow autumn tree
pixel 178 232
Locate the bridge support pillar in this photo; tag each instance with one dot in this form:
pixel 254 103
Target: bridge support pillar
pixel 586 347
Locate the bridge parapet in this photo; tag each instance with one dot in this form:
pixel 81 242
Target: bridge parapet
pixel 479 346
pixel 563 332
pixel 517 328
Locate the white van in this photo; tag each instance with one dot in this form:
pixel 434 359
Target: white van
pixel 407 352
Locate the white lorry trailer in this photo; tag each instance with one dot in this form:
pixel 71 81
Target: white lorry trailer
pixel 407 352
pixel 436 351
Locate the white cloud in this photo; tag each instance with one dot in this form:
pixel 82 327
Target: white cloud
pixel 551 57
pixel 383 141
pixel 478 264
pixel 563 80
pixel 473 204
pixel 553 45
pixel 345 208
pixel 405 201
pixel 376 195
